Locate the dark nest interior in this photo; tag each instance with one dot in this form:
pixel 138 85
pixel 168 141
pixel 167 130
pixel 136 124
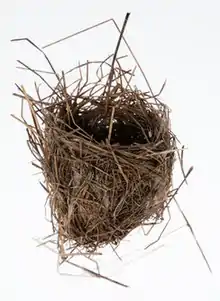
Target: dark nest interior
pixel 107 155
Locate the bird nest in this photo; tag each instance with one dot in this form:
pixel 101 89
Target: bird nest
pixel 108 167
pixel 106 152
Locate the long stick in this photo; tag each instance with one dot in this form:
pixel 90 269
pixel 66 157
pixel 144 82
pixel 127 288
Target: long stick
pixel 194 235
pixel 109 81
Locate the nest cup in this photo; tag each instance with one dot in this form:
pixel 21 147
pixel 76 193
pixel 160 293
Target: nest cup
pixel 107 161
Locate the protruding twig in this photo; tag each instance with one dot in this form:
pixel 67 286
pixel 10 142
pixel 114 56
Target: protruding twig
pixel 109 81
pixel 97 274
pixel 194 236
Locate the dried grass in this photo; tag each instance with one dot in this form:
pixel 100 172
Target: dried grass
pixel 106 153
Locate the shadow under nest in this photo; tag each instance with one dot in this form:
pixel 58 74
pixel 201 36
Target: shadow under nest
pixel 108 165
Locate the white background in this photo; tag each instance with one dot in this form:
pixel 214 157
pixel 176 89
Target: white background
pixel 174 40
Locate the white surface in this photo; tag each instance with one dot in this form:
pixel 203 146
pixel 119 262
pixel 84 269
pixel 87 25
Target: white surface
pixel 176 40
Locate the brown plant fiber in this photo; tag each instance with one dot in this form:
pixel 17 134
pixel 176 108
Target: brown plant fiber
pixel 106 153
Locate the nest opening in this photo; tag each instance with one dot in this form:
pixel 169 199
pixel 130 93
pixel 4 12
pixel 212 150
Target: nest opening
pixel 126 129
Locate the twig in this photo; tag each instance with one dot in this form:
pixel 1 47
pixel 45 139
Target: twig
pixel 109 81
pixel 194 236
pixel 97 275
